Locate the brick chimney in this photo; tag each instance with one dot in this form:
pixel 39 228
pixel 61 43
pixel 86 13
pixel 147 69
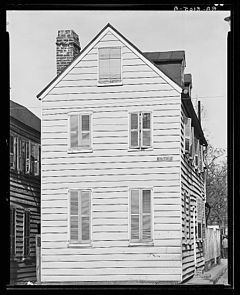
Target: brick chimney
pixel 68 47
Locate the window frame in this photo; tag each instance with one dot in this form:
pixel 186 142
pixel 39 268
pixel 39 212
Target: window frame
pixel 98 67
pixel 140 146
pixel 80 149
pixel 187 122
pixel 79 243
pixel 140 241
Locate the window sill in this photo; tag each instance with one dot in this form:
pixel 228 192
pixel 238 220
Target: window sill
pixel 79 151
pixel 109 84
pixel 79 245
pixel 140 244
pixel 140 149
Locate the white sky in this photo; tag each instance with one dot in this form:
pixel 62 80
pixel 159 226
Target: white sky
pixel 203 36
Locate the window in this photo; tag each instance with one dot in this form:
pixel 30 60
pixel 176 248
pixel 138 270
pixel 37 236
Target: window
pixel 196 161
pixel 192 146
pixel 26 234
pixel 140 215
pixel 12 232
pixel 140 130
pixel 199 230
pixel 187 134
pixel 80 131
pixel 11 150
pixel 24 155
pixel 109 65
pixel 80 214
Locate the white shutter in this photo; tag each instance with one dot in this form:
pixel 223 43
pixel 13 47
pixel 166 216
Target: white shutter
pixel 109 65
pixel 146 129
pixel 74 130
pixel 74 214
pixel 135 215
pixel 146 215
pixel 134 130
pixel 85 216
pixel 187 134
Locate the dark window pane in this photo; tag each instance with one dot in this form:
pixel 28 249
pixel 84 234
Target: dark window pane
pixel 134 121
pixel 146 198
pixel 85 123
pixel 74 203
pixel 146 120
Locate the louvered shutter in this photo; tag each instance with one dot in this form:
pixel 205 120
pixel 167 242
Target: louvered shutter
pixel 134 130
pixel 187 134
pixel 26 246
pixel 12 232
pixel 146 129
pixel 135 215
pixel 85 131
pixel 23 156
pixel 146 215
pixel 85 216
pixel 74 215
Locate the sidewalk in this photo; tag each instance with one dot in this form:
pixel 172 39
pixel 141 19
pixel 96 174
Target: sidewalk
pixel 209 277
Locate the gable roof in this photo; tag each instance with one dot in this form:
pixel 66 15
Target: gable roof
pixel 88 48
pixel 22 114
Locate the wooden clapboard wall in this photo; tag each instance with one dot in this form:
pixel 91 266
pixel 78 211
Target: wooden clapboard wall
pixel 24 194
pixel 192 183
pixel 109 171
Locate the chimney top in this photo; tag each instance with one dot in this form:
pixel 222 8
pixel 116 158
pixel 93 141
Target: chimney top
pixel 68 48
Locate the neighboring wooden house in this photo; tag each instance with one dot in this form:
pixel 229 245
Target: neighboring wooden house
pixel 123 192
pixel 24 147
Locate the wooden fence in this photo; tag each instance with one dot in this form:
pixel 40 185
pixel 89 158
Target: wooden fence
pixel 212 246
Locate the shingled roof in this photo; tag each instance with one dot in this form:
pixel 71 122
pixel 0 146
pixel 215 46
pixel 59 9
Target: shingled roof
pixel 22 114
pixel 169 62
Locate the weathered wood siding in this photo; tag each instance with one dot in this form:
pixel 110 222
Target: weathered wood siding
pixel 24 194
pixel 193 183
pixel 110 170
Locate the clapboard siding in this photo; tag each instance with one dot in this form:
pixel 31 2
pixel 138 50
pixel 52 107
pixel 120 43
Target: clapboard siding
pixel 109 170
pixel 24 194
pixel 193 182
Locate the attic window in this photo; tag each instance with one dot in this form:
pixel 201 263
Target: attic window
pixel 109 65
